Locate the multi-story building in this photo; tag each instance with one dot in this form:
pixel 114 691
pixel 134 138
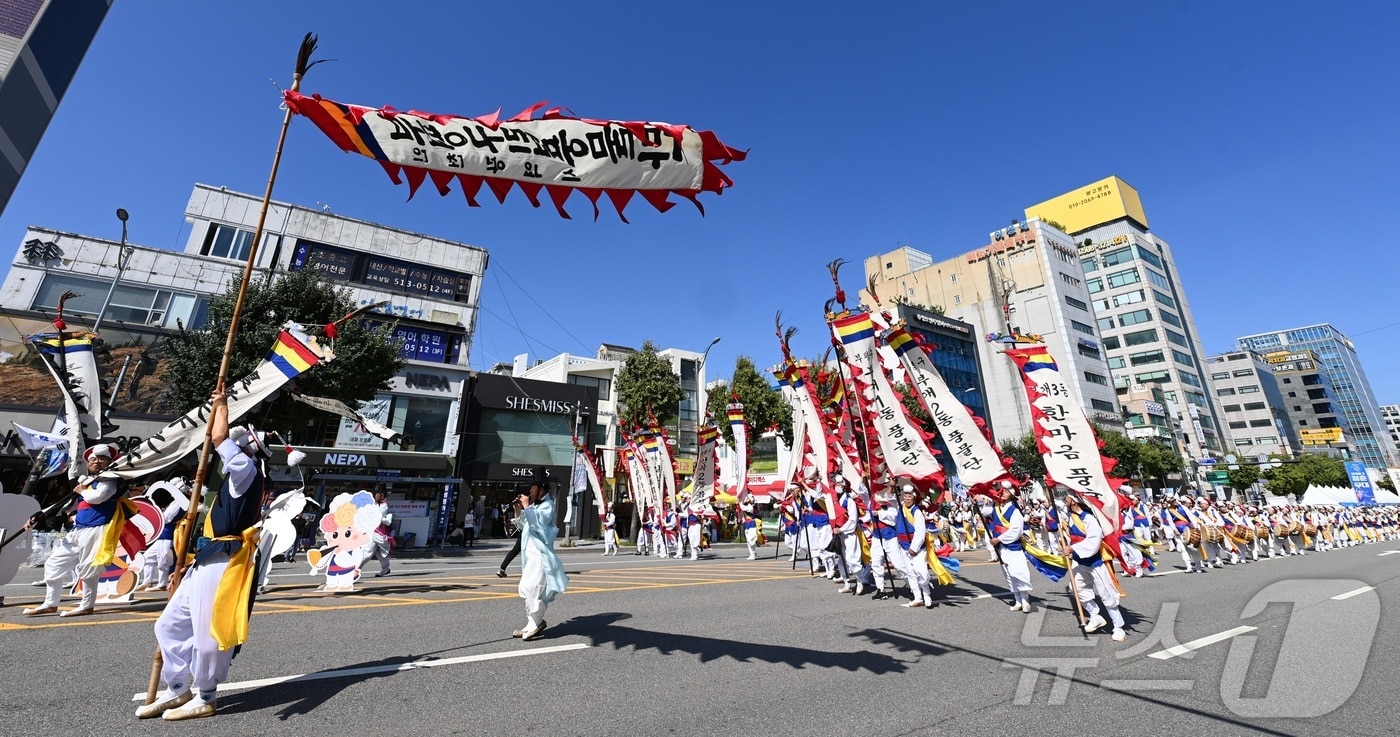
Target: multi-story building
pixel 1144 322
pixel 42 42
pixel 432 310
pixel 1148 415
pixel 1360 413
pixel 1028 280
pixel 1391 414
pixel 1252 406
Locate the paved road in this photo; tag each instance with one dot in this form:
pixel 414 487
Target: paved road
pixel 647 646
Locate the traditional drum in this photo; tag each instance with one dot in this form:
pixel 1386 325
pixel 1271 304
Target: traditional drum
pixel 1310 529
pixel 1262 531
pixel 1214 534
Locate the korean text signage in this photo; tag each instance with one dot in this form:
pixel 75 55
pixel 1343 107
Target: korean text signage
pixel 1322 436
pixel 1361 482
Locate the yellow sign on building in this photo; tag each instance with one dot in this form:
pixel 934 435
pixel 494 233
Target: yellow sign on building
pixel 684 466
pixel 1321 436
pixel 1101 202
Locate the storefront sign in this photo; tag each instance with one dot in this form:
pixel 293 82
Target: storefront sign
pixel 407 508
pixel 534 404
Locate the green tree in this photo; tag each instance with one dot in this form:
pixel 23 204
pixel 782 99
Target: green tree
pixel 764 406
pixel 1158 461
pixel 1293 478
pixel 1386 482
pixel 1027 463
pixel 1127 451
pixel 367 357
pixel 1244 476
pixel 647 386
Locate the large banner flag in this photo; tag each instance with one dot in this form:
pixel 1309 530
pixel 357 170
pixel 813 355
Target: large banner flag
pixel 594 480
pixel 72 421
pixel 902 444
pixel 292 353
pixel 799 427
pixel 735 413
pixel 1066 439
pixel 811 418
pixel 71 361
pixel 979 463
pixel 702 482
pixel 337 407
pixel 557 153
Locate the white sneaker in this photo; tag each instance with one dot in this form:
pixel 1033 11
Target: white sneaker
pixel 751 557
pixel 1016 607
pixel 196 709
pixel 860 588
pixel 1094 623
pixel 1119 635
pixel 928 601
pixel 845 589
pixel 1026 606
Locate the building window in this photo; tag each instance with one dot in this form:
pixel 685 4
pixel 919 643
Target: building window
pixel 1089 351
pixel 1231 408
pixel 1135 317
pixel 1159 377
pixel 1163 299
pixel 1189 378
pixel 1146 357
pixel 1117 362
pixel 1105 324
pixel 1094 378
pixel 137 305
pixel 1117 256
pixel 1123 278
pixel 1239 425
pixel 1169 318
pixel 223 241
pixel 1267 441
pixel 1243 442
pixel 1176 338
pixel 1076 303
pixel 604 385
pixel 1221 375
pixel 1081 327
pixel 1128 298
pixel 1101 305
pixel 1095 285
pixel 1102 406
pixel 1243 372
pixel 1158 280
pixel 957 299
pixel 1066 278
pixel 1148 256
pixel 423 422
pixel 1225 392
pixel 1253 405
pixel 1182 358
pixel 1110 343
pixel 1140 337
pixel 1249 389
pixel 1090 264
pixel 1261 423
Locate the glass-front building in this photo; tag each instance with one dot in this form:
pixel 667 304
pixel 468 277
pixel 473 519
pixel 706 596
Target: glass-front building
pixel 1360 411
pixel 513 427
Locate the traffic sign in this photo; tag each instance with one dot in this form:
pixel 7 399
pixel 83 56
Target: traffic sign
pixel 1218 477
pixel 1205 461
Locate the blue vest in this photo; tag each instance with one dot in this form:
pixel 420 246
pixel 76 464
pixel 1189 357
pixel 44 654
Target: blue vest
pixel 95 515
pixel 231 516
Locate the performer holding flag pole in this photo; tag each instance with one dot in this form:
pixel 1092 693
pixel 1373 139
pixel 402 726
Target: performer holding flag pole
pixel 186 523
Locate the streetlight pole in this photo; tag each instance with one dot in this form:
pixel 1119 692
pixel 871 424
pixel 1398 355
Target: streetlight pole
pixel 701 395
pixel 123 256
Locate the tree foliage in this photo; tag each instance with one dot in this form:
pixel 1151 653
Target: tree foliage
pixel 1292 479
pixel 764 407
pixel 366 357
pixel 1026 461
pixel 647 386
pixel 1244 476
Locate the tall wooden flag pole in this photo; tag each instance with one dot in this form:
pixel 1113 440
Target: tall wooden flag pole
pixel 184 529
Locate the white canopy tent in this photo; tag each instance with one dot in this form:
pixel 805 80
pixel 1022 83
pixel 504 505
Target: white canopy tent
pixel 1384 496
pixel 1328 496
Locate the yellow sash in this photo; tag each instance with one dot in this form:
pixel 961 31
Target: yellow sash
pixel 112 533
pixel 941 576
pixel 229 620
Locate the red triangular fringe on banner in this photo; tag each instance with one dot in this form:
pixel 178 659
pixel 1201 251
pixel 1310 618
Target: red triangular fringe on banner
pixel 657 198
pixel 691 194
pixel 526 114
pixel 442 180
pixel 532 191
pixel 620 198
pixel 415 179
pixel 392 170
pixel 592 194
pixel 470 186
pixel 501 187
pixel 491 121
pixel 560 195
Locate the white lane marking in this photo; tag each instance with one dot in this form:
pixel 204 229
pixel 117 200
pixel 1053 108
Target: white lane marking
pixel 1389 552
pixel 370 670
pixel 1356 592
pixel 1148 685
pixel 1172 652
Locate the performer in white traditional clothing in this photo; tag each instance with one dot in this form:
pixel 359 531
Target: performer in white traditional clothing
pixel 750 525
pixel 610 533
pixel 542 576
pixel 73 554
pixel 857 574
pixel 207 617
pixel 1006 525
pixel 1091 574
pixel 885 550
pixel 383 536
pixel 694 527
pixel 912 533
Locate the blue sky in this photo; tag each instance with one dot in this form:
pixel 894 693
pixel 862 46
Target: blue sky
pixel 1260 135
